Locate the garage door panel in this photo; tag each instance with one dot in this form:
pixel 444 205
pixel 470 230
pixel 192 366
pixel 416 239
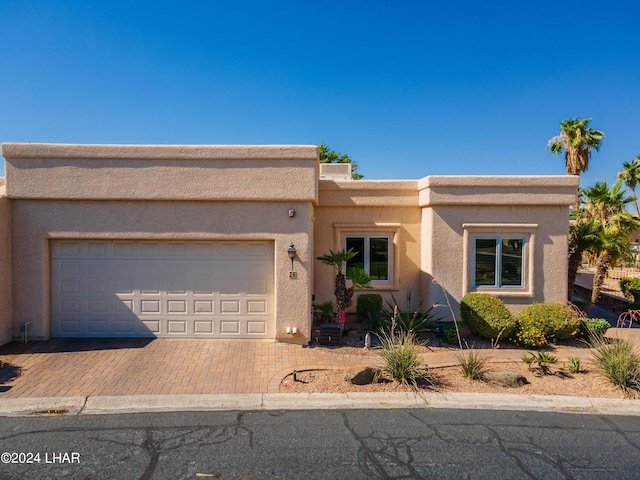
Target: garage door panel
pixel 162 289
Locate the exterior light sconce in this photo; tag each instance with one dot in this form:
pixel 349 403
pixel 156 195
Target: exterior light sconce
pixel 292 253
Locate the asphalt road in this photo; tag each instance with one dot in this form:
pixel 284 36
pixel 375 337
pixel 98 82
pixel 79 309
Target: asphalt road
pixel 322 444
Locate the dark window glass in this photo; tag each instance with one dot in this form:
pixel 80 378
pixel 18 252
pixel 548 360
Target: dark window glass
pixel 372 255
pixel 485 261
pixel 511 272
pixel 357 244
pixel 379 258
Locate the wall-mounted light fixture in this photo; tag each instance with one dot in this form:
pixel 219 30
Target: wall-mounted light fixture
pixel 292 253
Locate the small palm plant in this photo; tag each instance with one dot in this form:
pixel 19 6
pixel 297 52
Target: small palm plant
pixel 358 276
pixel 543 359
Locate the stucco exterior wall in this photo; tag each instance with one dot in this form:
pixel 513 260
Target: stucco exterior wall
pixel 151 192
pixel 5 267
pixel 492 206
pixel 370 207
pixel 37 222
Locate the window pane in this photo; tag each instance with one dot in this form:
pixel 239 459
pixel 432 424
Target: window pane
pixel 379 258
pixel 485 261
pixel 357 244
pixel 511 261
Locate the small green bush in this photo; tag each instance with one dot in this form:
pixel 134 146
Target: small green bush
pixel 400 358
pixel 540 323
pixel 486 315
pixel 593 326
pixel 627 284
pixel 369 308
pixel 449 333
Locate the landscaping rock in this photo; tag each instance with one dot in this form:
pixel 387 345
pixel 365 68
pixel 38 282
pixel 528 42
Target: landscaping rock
pixel 361 376
pixel 505 378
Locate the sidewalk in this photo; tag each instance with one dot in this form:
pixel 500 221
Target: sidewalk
pixel 103 376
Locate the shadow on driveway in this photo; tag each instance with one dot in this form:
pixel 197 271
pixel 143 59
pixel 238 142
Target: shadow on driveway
pixel 74 345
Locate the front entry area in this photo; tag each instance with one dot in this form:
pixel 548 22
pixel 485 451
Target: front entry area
pixel 165 289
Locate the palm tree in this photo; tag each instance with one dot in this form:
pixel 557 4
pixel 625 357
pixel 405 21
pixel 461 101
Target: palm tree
pixel 583 236
pixel 630 175
pixel 576 139
pixel 608 240
pixel 359 277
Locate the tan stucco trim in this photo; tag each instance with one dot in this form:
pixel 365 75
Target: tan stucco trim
pixel 498 190
pixel 158 152
pixel 381 193
pixel 162 172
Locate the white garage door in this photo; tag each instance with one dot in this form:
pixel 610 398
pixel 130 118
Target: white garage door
pixel 177 289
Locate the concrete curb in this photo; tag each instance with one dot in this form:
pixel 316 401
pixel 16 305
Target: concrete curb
pixel 313 401
pixel 42 406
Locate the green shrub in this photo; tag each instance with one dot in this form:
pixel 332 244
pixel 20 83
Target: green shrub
pixel 540 323
pixel 473 365
pixel 528 334
pixel 325 311
pixel 627 284
pixel 486 315
pixel 407 320
pixel 619 363
pixel 593 326
pixel 369 308
pixel 400 359
pixel 449 333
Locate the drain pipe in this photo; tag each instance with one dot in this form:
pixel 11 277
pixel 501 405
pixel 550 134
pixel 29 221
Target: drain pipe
pixel 25 332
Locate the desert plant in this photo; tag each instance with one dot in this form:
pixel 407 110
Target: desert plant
pixel 486 315
pixel 619 363
pixel 575 365
pixel 593 326
pixel 628 284
pixel 325 310
pixel 540 323
pixel 400 358
pixel 543 359
pixel 473 365
pixel 369 308
pixel 359 278
pixel 408 320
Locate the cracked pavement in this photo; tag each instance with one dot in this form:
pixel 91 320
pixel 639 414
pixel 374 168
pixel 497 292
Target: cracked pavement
pixel 350 444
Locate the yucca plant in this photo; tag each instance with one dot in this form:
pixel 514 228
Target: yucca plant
pixel 619 363
pixel 406 319
pixel 473 365
pixel 400 358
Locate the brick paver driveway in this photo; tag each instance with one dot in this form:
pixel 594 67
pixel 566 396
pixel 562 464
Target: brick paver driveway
pixel 60 368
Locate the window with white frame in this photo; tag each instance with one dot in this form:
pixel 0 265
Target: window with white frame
pixel 372 255
pixel 499 261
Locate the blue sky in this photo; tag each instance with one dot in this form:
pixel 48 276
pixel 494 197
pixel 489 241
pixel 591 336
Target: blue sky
pixel 406 88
